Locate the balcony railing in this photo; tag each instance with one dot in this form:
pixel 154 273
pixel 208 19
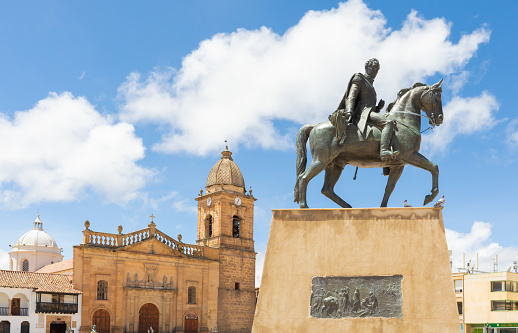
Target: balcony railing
pixel 4 311
pixel 55 307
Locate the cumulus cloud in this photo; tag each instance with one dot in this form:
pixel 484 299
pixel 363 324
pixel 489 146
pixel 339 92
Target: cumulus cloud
pixel 62 148
pixel 462 116
pixel 477 241
pixel 236 86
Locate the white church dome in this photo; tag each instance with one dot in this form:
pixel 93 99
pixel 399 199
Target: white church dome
pixel 37 237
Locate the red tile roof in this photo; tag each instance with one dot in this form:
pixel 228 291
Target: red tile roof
pixel 57 267
pixel 40 282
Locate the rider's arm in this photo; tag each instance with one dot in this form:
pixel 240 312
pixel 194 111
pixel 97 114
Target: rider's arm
pixel 351 99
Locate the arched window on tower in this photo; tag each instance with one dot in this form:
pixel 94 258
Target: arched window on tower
pixel 209 226
pixel 102 290
pixel 25 265
pixel 236 224
pixel 191 295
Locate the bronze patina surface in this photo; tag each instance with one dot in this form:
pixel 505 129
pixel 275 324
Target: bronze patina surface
pixel 356 296
pixel 359 135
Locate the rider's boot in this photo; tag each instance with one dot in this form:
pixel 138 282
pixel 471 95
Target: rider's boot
pixel 386 136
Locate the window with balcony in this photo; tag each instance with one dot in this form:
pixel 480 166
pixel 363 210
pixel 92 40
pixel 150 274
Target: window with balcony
pixel 56 303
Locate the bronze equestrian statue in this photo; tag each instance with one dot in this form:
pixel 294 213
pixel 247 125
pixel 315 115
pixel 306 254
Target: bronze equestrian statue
pixel 357 134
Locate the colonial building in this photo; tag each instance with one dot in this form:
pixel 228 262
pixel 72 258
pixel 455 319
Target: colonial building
pixel 135 281
pixel 34 249
pixel 38 303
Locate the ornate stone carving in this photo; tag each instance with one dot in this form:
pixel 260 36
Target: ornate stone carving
pixel 356 296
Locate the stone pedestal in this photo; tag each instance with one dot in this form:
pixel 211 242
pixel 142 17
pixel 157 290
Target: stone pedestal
pixel 357 248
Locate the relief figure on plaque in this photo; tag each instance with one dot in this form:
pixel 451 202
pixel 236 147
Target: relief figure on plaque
pixel 356 300
pixel 330 305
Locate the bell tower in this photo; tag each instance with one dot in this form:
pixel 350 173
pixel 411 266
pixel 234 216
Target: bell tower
pixel 226 222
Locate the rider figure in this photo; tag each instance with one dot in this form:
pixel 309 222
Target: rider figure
pixel 358 106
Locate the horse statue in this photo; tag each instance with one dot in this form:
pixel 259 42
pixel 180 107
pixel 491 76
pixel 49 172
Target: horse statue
pixel 329 155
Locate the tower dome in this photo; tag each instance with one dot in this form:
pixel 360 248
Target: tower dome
pixel 37 237
pixel 225 173
pixel 34 249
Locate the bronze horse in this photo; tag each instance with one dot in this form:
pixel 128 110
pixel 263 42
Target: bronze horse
pixel 332 157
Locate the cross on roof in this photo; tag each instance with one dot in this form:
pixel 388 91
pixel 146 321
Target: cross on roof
pixel 152 217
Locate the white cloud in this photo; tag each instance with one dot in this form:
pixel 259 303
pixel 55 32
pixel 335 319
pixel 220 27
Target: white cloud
pixel 235 86
pixel 512 132
pixel 62 148
pixel 477 241
pixel 82 75
pixel 185 206
pixel 4 259
pixel 462 116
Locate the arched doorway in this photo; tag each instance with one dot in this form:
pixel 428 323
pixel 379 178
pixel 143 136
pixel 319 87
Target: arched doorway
pixel 24 327
pixel 148 317
pixel 101 320
pixel 190 323
pixel 5 326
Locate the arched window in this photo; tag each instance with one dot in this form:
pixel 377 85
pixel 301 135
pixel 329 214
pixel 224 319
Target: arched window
pixel 236 223
pixel 102 290
pixel 209 226
pixel 25 265
pixel 24 327
pixel 191 295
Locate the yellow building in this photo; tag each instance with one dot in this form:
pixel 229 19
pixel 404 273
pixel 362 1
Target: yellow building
pixel 489 302
pixel 146 279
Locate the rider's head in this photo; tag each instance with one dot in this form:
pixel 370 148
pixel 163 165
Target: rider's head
pixel 372 66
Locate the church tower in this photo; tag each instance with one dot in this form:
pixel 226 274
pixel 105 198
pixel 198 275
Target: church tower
pixel 226 222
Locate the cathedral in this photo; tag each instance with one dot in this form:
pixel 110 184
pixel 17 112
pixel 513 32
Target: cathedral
pixel 146 281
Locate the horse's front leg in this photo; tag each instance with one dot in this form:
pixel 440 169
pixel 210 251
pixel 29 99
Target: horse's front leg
pixel 418 160
pixel 395 173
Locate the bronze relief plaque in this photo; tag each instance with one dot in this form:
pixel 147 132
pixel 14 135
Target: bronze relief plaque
pixel 356 296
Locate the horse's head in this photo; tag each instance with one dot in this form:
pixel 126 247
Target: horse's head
pixel 432 104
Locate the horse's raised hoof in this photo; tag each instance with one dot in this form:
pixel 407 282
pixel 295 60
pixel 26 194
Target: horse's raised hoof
pixel 428 199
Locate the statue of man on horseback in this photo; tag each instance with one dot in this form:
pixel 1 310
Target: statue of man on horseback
pixel 358 135
pixel 358 106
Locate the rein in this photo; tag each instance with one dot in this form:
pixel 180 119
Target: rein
pixel 432 121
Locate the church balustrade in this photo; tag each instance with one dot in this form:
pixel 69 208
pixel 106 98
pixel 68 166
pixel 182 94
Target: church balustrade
pixel 188 249
pixel 118 240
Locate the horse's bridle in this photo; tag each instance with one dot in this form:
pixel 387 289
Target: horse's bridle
pixel 432 101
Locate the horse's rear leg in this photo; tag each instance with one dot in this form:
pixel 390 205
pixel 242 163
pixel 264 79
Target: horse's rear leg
pixel 333 172
pixel 395 173
pixel 314 169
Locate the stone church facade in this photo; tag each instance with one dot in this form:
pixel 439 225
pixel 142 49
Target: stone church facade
pixel 146 279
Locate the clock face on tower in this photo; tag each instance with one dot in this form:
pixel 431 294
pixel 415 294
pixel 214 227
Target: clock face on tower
pixel 237 201
pixel 209 201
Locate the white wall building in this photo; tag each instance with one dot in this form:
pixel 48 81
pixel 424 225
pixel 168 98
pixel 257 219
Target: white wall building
pixel 34 249
pixel 38 303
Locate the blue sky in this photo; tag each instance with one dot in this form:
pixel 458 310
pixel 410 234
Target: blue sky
pixel 113 111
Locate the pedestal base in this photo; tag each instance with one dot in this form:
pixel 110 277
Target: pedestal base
pixel 342 270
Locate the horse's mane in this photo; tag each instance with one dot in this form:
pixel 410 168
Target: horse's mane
pixel 403 92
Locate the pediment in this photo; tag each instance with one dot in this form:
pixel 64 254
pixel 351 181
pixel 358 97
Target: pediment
pixel 151 246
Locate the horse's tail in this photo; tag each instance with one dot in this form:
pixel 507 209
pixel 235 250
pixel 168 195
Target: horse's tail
pixel 302 156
